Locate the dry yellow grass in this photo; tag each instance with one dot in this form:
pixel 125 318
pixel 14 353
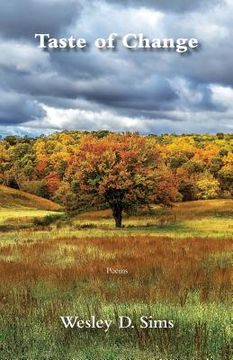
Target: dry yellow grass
pixel 170 267
pixel 200 208
pixel 180 267
pixel 184 210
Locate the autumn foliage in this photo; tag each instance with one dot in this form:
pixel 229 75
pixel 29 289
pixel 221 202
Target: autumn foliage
pixel 120 171
pixel 126 170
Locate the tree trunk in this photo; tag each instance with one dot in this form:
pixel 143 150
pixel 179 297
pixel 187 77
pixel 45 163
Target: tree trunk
pixel 115 199
pixel 117 214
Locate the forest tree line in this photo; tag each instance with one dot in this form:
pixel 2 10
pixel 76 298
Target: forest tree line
pixel 81 169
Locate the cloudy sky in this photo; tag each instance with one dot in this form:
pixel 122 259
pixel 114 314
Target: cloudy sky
pixel 145 91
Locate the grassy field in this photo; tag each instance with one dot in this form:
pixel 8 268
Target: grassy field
pixel 179 266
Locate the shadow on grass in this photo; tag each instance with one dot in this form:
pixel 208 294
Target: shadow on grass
pixel 8 228
pixel 161 228
pixel 223 215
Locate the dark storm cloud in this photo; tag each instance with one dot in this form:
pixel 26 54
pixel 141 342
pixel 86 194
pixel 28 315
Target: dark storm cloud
pixel 120 89
pixel 21 19
pixel 147 97
pixel 118 96
pixel 153 94
pixel 167 5
pixel 16 109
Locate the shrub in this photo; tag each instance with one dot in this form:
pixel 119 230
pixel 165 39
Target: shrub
pixel 47 220
pixel 36 187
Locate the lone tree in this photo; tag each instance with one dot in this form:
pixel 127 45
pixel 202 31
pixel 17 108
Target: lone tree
pixel 125 170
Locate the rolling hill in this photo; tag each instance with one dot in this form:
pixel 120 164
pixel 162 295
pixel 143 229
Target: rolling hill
pixel 16 199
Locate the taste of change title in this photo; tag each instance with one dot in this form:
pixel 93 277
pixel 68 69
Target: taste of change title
pixel 129 41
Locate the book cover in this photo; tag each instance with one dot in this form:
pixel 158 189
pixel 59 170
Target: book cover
pixel 116 180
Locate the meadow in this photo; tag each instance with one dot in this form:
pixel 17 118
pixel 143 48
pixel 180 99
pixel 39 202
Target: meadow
pixel 179 266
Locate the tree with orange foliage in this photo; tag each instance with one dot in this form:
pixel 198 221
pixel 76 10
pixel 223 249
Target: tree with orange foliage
pixel 126 170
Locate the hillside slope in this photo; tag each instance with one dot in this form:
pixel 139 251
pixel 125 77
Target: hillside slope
pixel 11 198
pixel 182 210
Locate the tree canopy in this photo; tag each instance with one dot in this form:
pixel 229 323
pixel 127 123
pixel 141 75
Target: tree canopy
pixel 126 170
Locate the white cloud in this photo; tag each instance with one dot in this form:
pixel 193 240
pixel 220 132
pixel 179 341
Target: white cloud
pixel 85 119
pixel 223 96
pixel 20 56
pixel 186 121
